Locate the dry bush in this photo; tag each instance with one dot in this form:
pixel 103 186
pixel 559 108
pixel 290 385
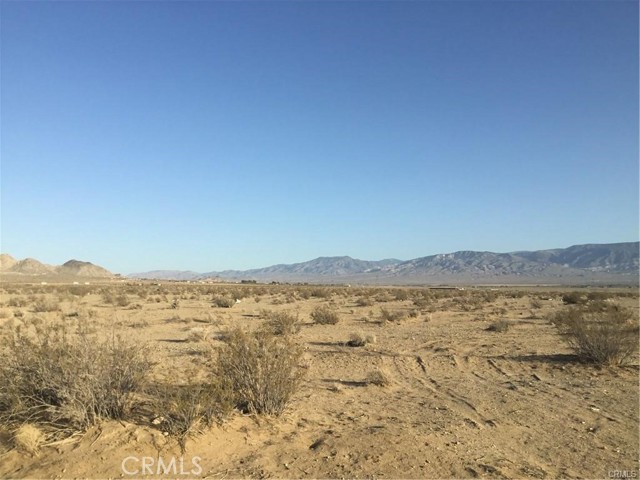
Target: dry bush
pixel 184 411
pixel 536 303
pixel 378 377
pixel 321 292
pixel 281 323
pixel 360 340
pixel 18 302
pixel 198 334
pixel 223 302
pixel 387 315
pixel 573 298
pixel 401 294
pixel 67 380
pixel 325 316
pixel 384 297
pixel 500 326
pixel 260 370
pixel 365 301
pixel 110 297
pixel 608 337
pixel 422 302
pixel 43 305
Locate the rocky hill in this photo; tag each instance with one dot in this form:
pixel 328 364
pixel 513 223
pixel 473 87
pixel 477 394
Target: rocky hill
pixel 30 268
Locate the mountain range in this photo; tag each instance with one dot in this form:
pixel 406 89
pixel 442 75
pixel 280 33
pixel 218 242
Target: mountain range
pixel 614 263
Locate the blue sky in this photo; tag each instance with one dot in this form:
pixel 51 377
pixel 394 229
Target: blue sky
pixel 213 135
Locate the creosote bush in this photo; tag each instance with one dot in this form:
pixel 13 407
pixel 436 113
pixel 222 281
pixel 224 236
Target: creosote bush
pixel 66 379
pixel 325 316
pixel 281 323
pixel 260 370
pixel 604 337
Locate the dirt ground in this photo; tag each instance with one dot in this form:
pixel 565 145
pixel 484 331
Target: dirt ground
pixel 463 401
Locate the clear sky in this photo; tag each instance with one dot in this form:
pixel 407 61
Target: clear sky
pixel 218 134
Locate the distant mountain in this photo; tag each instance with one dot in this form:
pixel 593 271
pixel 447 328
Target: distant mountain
pixel 29 267
pixel 82 269
pixel 579 264
pixel 326 267
pixel 6 262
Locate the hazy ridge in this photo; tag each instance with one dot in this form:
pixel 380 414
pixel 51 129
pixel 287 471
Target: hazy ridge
pixel 590 263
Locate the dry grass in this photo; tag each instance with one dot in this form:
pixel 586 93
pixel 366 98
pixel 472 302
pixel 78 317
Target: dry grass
pixel 29 438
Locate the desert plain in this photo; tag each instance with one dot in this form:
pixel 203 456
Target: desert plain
pixel 411 382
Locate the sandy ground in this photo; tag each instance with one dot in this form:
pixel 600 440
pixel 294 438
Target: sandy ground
pixel 462 401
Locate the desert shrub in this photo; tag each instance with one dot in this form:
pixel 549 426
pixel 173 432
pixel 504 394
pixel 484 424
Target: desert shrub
pixel 360 340
pixel 598 296
pixel 110 297
pixel 223 302
pixel 401 294
pixel 573 298
pixel 608 337
pixel 387 315
pixel 500 326
pixel 325 316
pixel 184 411
pixel 281 323
pixel 42 305
pixel 365 301
pixel 320 292
pixel 18 302
pixel 261 371
pixel 421 302
pixel 536 303
pixel 64 379
pixel 384 297
pixel 198 334
pixel 377 377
